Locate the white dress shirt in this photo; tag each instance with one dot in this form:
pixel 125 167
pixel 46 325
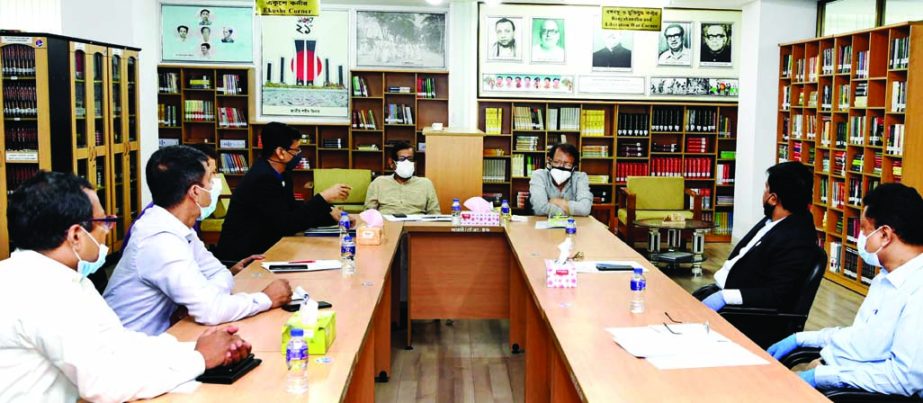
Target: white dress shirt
pixel 733 297
pixel 165 266
pixel 881 352
pixel 59 341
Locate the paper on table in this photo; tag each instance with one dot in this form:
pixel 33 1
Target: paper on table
pixel 590 266
pixel 410 217
pixel 317 265
pixel 519 218
pixel 436 217
pixel 691 346
pixel 548 225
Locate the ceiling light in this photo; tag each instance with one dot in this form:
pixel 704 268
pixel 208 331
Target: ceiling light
pixel 434 2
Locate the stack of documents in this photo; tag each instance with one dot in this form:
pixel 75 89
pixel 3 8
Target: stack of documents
pixel 683 345
pixel 418 217
pixel 302 265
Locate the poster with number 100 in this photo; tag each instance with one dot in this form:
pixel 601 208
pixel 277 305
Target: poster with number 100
pixel 207 34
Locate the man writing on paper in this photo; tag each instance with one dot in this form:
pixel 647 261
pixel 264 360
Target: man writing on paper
pixel 770 264
pixel 263 208
pixel 402 193
pixel 165 266
pixel 560 189
pixel 881 352
pixel 59 342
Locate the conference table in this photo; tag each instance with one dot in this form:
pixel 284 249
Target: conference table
pixel 481 273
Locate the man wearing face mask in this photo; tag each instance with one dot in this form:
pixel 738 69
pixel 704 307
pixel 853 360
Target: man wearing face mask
pixel 68 345
pixel 166 266
pixel 881 352
pixel 263 208
pixel 560 189
pixel 768 267
pixel 402 193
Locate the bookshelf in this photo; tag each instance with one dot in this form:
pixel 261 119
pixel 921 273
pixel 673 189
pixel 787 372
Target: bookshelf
pixel 847 116
pixel 616 140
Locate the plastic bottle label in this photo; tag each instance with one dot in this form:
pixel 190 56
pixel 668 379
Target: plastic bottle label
pixel 348 248
pixel 570 231
pixel 296 354
pixel 638 284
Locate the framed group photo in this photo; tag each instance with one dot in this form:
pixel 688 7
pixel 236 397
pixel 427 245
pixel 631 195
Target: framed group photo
pixel 400 39
pixel 206 34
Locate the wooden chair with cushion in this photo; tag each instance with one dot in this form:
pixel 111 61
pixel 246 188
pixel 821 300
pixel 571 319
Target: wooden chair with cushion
pixel 646 197
pixel 358 179
pixel 210 228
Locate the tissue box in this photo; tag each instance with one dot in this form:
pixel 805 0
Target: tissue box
pixel 472 219
pixel 368 235
pixel 323 334
pixel 560 275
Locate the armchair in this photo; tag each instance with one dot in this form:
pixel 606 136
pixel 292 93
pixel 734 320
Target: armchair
pixel 646 197
pixel 843 395
pixel 358 179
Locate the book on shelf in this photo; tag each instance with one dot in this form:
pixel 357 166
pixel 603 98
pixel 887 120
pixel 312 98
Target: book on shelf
pixel 837 194
pixel 699 145
pixel 564 119
pixel 234 163
pixel 855 192
pixel 827 63
pixel 723 221
pixel 811 129
pixel 824 186
pixel 494 170
pixel 367 147
pixel 841 135
pixel 698 167
pixel 786 98
pixel 667 166
pixel 633 124
pixel 861 98
pixel 167 141
pixel 835 250
pixel 199 111
pixel 664 147
pixel 399 114
pixel 796 152
pixel 701 119
pixel 200 83
pixel 399 89
pixel 876 131
pixel 166 115
pixel 360 87
pixel 851 263
pixel 812 69
pixel 856 129
pixel 597 179
pixel 844 60
pixel 782 151
pixel 364 119
pixel 493 120
pixel 897 170
pixel 592 123
pixel 812 99
pixel 667 120
pixel 826 130
pixel 632 148
pixel 725 173
pixel 786 66
pixel 522 165
pixel 232 143
pixel 600 195
pixel 526 143
pixel 231 117
pixel 876 163
pixel 898 96
pixel 799 70
pixel 20 101
pixel 231 85
pixel 895 140
pixel 856 164
pixel 705 194
pixel 528 118
pixel 839 163
pixel 862 64
pixel 334 143
pixel 20 61
pixel 900 53
pixel 594 151
pixel 826 102
pixel 797 126
pixel 426 87
pixel 522 199
pixel 167 82
pixel 625 169
pixel 22 140
pixel 843 103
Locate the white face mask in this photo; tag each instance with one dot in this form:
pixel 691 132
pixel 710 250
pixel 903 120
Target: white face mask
pixel 870 258
pixel 404 169
pixel 86 268
pixel 215 194
pixel 560 175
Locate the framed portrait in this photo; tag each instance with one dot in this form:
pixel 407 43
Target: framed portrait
pixel 206 34
pixel 675 44
pixel 612 50
pixel 717 47
pixel 504 39
pixel 548 36
pixel 305 63
pixel 694 86
pixel 400 39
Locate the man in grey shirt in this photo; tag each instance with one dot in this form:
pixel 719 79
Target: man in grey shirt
pixel 559 188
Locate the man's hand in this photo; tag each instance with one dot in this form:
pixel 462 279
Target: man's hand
pixel 221 346
pixel 243 263
pixel 783 347
pixel 561 203
pixel 715 301
pixel 279 291
pixel 336 192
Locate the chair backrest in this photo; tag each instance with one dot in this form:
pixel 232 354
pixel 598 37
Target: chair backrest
pixel 358 179
pixel 657 192
pixel 225 200
pixel 811 284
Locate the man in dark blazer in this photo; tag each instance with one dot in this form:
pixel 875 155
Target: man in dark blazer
pixel 770 264
pixel 263 208
pixel 613 54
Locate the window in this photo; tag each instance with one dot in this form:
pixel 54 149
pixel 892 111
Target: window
pixel 849 15
pixel 903 10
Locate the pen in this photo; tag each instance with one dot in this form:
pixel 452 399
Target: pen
pixel 301 261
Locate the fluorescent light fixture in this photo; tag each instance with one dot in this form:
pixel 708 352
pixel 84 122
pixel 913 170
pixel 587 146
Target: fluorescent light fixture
pixel 434 2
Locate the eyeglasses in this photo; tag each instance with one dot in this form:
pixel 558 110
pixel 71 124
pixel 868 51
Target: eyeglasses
pixel 718 36
pixel 107 223
pixel 399 159
pixel 549 31
pixel 293 151
pixel 561 165
pixel 674 36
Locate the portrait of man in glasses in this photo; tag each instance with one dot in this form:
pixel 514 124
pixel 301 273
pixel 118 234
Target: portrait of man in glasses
pixel 716 45
pixel 675 42
pixel 547 40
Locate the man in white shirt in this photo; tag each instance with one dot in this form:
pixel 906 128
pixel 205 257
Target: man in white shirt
pixel 881 352
pixel 548 49
pixel 58 339
pixel 677 53
pixel 165 266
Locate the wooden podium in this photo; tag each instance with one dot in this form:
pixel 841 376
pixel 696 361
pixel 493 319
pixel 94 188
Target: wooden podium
pixel 454 162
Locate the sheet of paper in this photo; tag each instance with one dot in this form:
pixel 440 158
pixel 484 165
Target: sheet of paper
pixel 728 354
pixel 436 217
pixel 589 266
pixel 519 218
pixel 547 225
pixel 411 217
pixel 683 345
pixel 317 265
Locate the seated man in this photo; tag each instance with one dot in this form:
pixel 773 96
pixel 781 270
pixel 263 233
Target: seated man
pixel 59 341
pixel 881 352
pixel 263 208
pixel 165 266
pixel 770 264
pixel 402 193
pixel 559 189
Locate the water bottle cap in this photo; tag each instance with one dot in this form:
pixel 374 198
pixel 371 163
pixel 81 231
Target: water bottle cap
pixel 296 332
pixel 454 200
pixel 343 213
pixel 347 238
pixel 504 201
pixel 571 220
pixel 638 270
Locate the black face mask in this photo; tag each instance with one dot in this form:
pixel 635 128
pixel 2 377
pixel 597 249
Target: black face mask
pixel 291 165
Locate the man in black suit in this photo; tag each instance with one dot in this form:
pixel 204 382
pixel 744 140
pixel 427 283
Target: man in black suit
pixel 263 208
pixel 769 266
pixel 613 54
pixel 716 43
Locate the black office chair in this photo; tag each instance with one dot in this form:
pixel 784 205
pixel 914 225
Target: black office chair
pixel 842 395
pixel 766 326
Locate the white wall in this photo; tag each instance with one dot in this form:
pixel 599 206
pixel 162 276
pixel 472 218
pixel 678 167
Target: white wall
pixel 100 20
pixel 31 15
pixel 766 24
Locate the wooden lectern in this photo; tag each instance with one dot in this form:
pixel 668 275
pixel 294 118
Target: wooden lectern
pixel 454 162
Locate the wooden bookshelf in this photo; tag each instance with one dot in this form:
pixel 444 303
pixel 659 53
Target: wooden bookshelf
pixel 848 137
pixel 615 139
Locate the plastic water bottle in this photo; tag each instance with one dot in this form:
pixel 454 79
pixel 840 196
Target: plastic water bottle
pixel 570 232
pixel 505 215
pixel 456 213
pixel 296 356
pixel 638 285
pixel 344 225
pixel 347 255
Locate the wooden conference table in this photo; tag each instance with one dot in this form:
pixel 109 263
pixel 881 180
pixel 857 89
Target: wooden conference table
pixel 468 273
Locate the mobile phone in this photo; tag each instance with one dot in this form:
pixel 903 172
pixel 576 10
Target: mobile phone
pixel 282 268
pixel 400 215
pixel 296 305
pixel 614 267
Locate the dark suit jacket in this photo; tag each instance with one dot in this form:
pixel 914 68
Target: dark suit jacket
pixel 617 57
pixel 708 56
pixel 773 272
pixel 262 211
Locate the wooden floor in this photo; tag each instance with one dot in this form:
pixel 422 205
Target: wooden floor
pixel 470 361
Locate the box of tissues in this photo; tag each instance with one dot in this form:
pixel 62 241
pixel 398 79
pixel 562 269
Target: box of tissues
pixel 319 337
pixel 369 233
pixel 560 275
pixel 474 219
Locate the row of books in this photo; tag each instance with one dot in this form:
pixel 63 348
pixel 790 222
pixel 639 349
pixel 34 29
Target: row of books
pixel 843 101
pixel 526 143
pixel 632 149
pixel 895 141
pixel 876 163
pixel 199 111
pixel 522 199
pixel 705 193
pixel 18 61
pixel 664 147
pixel 166 115
pixel 724 200
pixel 625 169
pixel 844 59
pixel 839 163
pixel 364 119
pixel 862 64
pixel 234 163
pixel 426 87
pixel 564 119
pixel 861 97
pixel 786 98
pixel 526 118
pixel 19 100
pixel 232 85
pixel 493 120
pixel 857 126
pixel 826 66
pixel 787 66
pixel 698 145
pixel 592 123
pixel 812 69
pixel 594 151
pixel 725 173
pixel 400 114
pixel 231 117
pixel 898 96
pixel 796 152
pixel 597 179
pixel 494 170
pixel 20 138
pixel 835 250
pixel 17 174
pixel 897 170
pixel 522 165
pixel 633 124
pixel 701 120
pixel 799 70
pixel 797 123
pixel 823 188
pixel 782 152
pixel 854 197
pixel 334 143
pixel 723 221
pixel 201 83
pixel 900 53
pixel 699 167
pixel 360 87
pixel 670 166
pixel 667 120
pixel 837 194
